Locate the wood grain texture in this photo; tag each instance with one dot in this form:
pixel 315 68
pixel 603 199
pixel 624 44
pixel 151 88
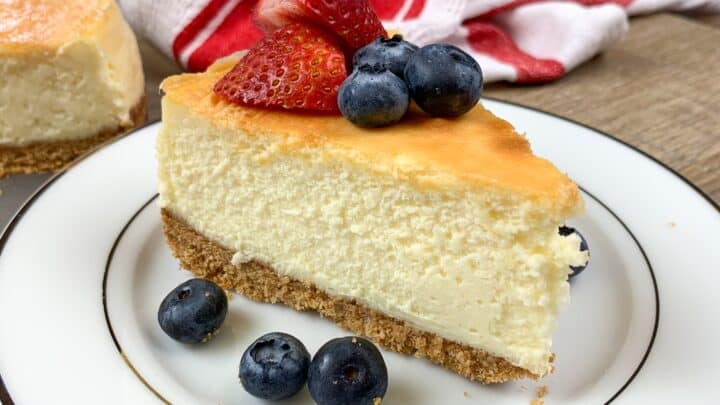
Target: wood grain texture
pixel 658 90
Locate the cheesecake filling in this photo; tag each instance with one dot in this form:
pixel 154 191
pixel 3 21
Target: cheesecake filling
pixel 77 90
pixel 481 267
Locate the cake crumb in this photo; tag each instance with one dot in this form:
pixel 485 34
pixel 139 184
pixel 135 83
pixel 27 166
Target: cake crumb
pixel 377 401
pixel 240 258
pixel 523 388
pixel 465 394
pixel 540 392
pixel 672 225
pixel 210 336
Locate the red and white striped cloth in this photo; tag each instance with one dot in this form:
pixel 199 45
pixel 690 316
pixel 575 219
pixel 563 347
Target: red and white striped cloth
pixel 515 40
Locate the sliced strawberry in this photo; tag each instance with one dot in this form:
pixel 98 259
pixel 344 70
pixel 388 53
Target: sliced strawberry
pixel 295 67
pixel 354 21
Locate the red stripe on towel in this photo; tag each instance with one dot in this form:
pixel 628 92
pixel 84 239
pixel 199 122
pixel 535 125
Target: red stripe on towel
pixel 415 9
pixel 236 32
pixel 188 34
pixel 487 38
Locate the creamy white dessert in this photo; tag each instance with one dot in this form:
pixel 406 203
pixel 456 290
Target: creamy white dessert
pixel 448 226
pixel 69 70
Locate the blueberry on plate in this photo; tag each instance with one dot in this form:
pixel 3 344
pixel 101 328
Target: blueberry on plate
pixel 443 80
pixel 193 311
pixel 392 53
pixel 275 366
pixel 348 371
pixel 566 231
pixel 373 97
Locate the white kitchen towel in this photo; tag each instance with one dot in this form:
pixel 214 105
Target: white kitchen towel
pixel 524 41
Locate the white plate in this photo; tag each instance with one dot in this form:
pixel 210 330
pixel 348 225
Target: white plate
pixel 84 267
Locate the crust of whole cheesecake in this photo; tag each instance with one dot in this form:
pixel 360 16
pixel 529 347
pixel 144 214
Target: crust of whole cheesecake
pixel 51 156
pixel 258 281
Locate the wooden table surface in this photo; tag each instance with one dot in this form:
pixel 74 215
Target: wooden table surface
pixel 659 90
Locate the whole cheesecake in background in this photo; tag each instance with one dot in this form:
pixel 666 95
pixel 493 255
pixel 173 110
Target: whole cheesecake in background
pixel 433 237
pixel 70 79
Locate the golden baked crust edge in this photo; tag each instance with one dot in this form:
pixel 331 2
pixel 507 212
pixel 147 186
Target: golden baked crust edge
pixel 260 282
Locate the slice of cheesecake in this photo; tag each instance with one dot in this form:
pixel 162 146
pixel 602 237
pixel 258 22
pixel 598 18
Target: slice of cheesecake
pixel 70 79
pixel 433 237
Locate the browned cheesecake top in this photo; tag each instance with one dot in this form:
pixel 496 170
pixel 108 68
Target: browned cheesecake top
pixel 477 149
pixel 47 23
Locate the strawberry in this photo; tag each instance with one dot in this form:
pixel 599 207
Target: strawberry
pixel 354 21
pixel 295 67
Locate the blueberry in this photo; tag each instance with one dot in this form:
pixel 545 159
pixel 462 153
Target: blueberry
pixel 392 53
pixel 565 231
pixel 373 97
pixel 193 311
pixel 443 80
pixel 348 371
pixel 275 366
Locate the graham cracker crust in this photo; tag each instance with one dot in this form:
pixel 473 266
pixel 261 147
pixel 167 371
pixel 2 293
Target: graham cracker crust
pixel 51 156
pixel 260 282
